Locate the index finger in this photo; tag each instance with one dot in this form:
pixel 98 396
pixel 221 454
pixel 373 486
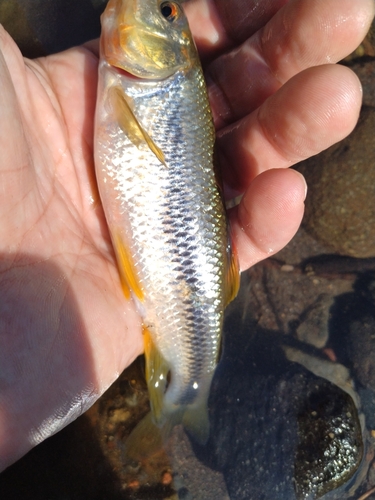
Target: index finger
pixel 218 25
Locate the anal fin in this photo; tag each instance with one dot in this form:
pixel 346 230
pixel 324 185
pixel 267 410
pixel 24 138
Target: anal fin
pixel 156 376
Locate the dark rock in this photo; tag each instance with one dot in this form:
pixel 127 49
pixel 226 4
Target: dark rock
pixel 183 494
pixel 262 433
pixel 330 443
pixel 340 208
pixel 362 349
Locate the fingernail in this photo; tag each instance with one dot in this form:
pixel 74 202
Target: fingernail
pixel 304 182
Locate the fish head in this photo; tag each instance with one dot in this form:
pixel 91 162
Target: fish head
pixel 150 39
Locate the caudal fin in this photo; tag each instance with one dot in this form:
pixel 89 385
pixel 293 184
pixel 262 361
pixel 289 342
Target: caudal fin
pixel 195 416
pixel 150 436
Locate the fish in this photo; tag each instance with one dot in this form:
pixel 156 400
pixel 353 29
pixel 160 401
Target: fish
pixel 154 161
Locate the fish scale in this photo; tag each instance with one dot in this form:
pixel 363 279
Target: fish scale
pixel 154 166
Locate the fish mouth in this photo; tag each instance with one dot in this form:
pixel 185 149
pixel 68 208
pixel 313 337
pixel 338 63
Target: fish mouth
pixel 125 73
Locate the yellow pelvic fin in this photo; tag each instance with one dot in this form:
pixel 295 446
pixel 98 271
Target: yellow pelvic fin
pixel 128 275
pixel 156 376
pixel 232 278
pixel 130 125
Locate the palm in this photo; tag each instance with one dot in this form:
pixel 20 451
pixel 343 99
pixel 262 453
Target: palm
pixel 66 325
pixel 66 330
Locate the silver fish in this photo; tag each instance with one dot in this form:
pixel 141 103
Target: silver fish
pixel 154 141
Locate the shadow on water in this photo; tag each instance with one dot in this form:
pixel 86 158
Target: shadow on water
pixel 69 465
pixel 352 327
pixel 268 415
pixel 349 310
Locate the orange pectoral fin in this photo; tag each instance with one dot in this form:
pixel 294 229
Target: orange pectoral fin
pixel 129 279
pixel 130 125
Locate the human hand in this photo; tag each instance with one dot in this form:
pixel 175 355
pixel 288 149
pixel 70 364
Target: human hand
pixel 277 99
pixel 66 331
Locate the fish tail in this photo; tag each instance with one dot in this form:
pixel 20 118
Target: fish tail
pixel 149 436
pixel 195 416
pixel 154 430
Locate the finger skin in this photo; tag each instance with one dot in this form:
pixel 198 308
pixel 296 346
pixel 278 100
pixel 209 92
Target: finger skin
pixel 305 34
pixel 315 109
pixel 244 17
pixel 268 216
pixel 207 28
pixel 220 24
pixel 301 35
pixel 15 178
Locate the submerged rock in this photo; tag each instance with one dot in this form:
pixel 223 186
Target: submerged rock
pixel 330 444
pixel 313 326
pixel 362 342
pixel 278 430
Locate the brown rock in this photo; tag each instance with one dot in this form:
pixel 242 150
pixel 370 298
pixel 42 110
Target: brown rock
pixel 365 70
pixel 340 206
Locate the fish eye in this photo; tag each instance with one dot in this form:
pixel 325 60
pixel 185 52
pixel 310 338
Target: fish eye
pixel 169 10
